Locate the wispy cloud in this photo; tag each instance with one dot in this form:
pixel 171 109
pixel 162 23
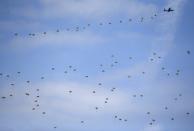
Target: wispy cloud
pixel 67 38
pixel 72 10
pixel 87 9
pixel 153 128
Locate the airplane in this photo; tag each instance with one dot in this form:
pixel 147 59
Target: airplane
pixel 168 10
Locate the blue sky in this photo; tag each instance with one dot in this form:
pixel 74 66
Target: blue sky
pixel 165 38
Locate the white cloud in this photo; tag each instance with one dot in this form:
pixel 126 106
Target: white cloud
pixel 87 9
pixel 153 128
pixel 67 38
pixel 55 96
